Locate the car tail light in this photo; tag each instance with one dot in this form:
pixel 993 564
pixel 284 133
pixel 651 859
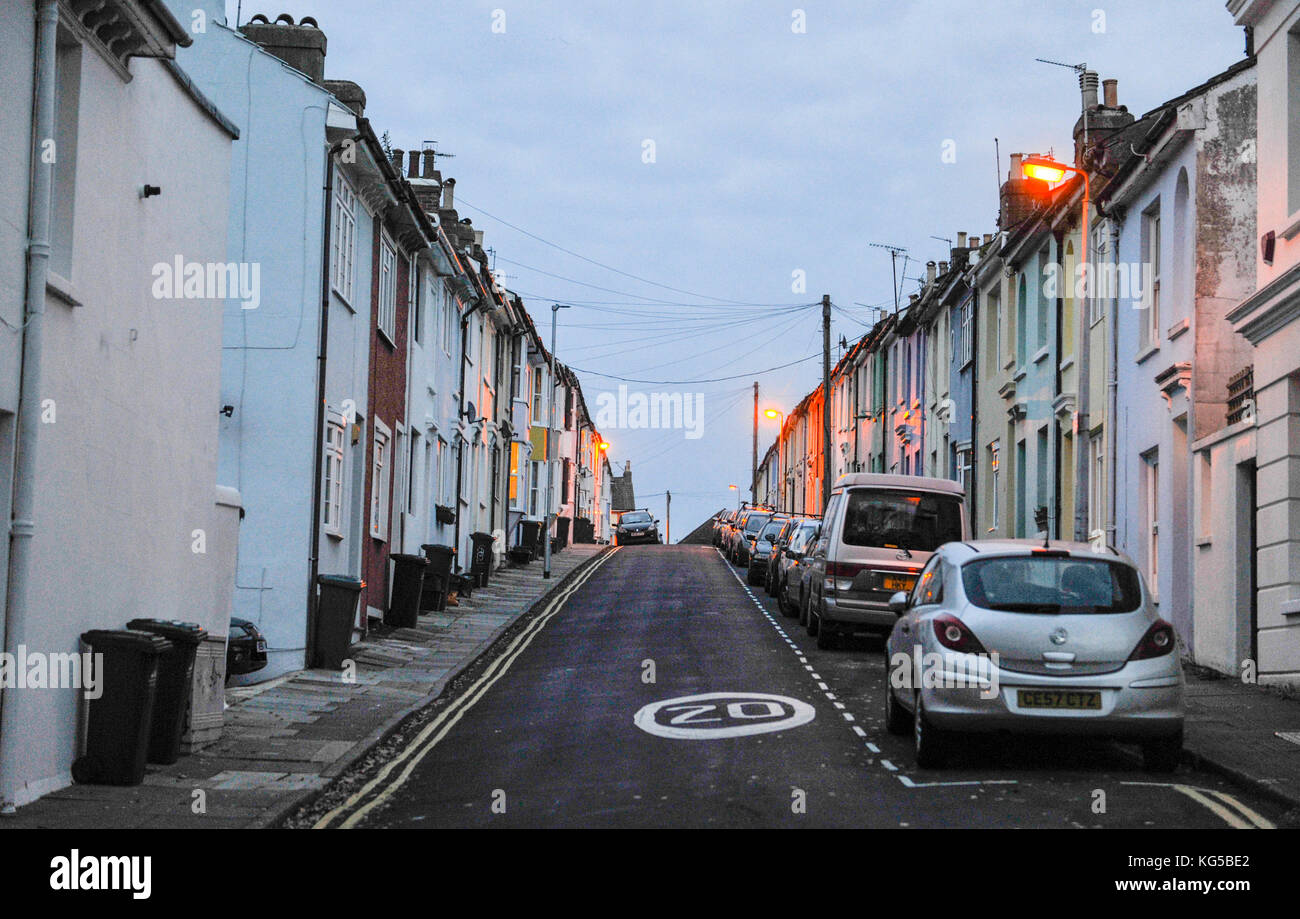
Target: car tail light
pixel 1157 642
pixel 955 635
pixel 843 569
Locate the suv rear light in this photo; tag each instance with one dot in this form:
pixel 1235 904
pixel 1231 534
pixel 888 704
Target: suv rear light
pixel 955 635
pixel 843 569
pixel 1157 642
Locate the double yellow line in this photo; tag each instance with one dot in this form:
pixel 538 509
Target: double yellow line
pixel 428 738
pixel 1231 814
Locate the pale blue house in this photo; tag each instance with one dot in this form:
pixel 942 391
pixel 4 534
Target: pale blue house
pixel 272 425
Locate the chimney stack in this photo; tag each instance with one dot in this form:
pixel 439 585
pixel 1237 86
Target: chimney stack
pixel 301 46
pixel 1110 93
pixel 1019 196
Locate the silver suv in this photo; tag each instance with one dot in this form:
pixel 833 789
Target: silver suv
pixel 877 533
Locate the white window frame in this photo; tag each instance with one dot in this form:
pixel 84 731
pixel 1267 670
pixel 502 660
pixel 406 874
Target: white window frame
pixel 335 453
pixel 1151 488
pixel 449 315
pixel 386 314
pixel 967 324
pixel 343 239
pixel 381 477
pixel 1151 264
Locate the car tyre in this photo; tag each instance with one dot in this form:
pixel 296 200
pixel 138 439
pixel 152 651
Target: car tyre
pixel 931 743
pixel 749 576
pixel 1163 755
pixel 898 720
pixel 827 638
pixel 814 623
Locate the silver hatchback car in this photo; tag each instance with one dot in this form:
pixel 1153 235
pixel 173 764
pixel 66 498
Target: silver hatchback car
pixel 1027 637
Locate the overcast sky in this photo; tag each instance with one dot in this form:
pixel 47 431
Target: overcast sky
pixel 774 151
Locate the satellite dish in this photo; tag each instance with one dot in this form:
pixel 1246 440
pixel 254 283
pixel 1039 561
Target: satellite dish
pixel 470 411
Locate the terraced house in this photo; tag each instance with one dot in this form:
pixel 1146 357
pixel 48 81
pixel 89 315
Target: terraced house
pixel 1135 402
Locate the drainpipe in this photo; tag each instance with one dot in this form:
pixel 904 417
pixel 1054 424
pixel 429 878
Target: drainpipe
pixel 1112 385
pixel 460 415
pixel 23 529
pixel 322 349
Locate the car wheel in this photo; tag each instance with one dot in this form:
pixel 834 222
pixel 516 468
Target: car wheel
pixel 930 742
pixel 749 576
pixel 827 638
pixel 814 622
pixel 1162 755
pixel 898 720
pixel 803 610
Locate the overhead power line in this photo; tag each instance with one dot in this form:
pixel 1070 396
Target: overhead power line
pixel 592 261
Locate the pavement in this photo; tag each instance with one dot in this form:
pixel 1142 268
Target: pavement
pixel 667 693
pixel 286 739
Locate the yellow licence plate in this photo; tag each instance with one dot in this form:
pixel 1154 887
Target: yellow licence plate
pixel 898 583
pixel 1059 698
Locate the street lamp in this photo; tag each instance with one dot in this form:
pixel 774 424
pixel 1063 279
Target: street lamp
pixel 1049 171
pixel 775 413
pixel 550 470
pixel 737 491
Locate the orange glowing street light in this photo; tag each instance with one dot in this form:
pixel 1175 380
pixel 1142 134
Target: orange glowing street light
pixel 603 445
pixel 1050 171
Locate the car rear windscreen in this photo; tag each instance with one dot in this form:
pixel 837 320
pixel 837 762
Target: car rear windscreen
pixel 1052 584
pixel 755 523
pixel 889 519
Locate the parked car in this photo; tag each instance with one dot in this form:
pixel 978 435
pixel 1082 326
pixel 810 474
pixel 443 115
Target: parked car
pixel 789 587
pixel 719 524
pixel 1080 650
pixel 742 544
pixel 636 526
pixel 763 547
pixel 878 532
pixel 245 648
pixel 778 548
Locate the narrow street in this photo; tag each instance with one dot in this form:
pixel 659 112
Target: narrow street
pixel 552 742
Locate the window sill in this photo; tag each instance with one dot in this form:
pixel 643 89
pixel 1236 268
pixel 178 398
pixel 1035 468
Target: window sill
pixel 386 337
pixel 346 301
pixel 1146 353
pixel 1041 355
pixel 1203 542
pixel 333 534
pixel 61 288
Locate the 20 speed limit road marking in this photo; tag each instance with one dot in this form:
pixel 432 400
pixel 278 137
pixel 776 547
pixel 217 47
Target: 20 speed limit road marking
pixel 420 746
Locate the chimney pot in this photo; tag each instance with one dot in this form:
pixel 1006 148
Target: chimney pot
pixel 1016 168
pixel 1088 88
pixel 398 159
pixel 961 240
pixel 943 267
pixel 929 271
pixel 413 169
pixel 448 194
pixel 1111 90
pixel 430 164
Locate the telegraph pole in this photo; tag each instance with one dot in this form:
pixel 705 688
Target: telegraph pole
pixel 826 400
pixel 668 528
pixel 753 470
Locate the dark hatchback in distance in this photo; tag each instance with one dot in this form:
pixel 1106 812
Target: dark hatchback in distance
pixel 636 526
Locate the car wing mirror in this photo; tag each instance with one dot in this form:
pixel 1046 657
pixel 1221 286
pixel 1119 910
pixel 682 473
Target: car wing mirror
pixel 898 602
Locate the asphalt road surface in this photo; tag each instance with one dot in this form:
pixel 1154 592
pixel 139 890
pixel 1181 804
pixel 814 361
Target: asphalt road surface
pixel 590 723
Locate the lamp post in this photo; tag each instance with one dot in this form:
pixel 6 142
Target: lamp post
pixel 550 470
pixel 737 491
pixel 775 413
pixel 1051 172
